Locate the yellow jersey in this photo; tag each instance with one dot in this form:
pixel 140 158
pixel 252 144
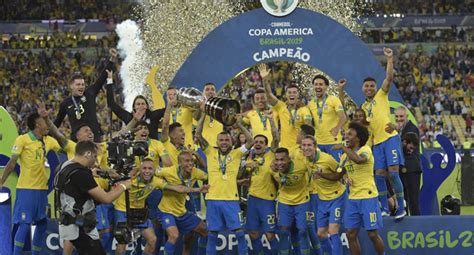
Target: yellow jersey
pixel 156 150
pixel 31 155
pixel 326 116
pixel 173 202
pixel 290 122
pixel 211 129
pixel 139 191
pixel 261 180
pixel 184 116
pixel 259 124
pixel 223 171
pixel 172 151
pixel 293 185
pixel 378 115
pixel 326 189
pixel 362 175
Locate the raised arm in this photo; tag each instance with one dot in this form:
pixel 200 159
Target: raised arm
pixel 264 71
pixel 388 80
pixel 245 131
pixel 340 88
pixel 53 130
pixel 61 114
pixel 200 125
pixel 97 86
pixel 274 127
pixel 165 125
pixel 121 113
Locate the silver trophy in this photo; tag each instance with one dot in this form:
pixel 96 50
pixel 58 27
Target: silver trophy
pixel 221 109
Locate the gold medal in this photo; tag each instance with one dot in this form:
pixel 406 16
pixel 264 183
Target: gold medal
pixel 187 198
pixel 78 115
pixel 224 177
pixel 339 170
pixel 368 119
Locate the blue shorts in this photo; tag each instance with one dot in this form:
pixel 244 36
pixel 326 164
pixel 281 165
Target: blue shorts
pixel 289 214
pixel 153 200
pixel 186 223
pixel 30 206
pixel 363 213
pixel 313 208
pixel 122 217
pixel 104 215
pixel 336 154
pixel 331 211
pixel 388 153
pixel 261 215
pixel 223 215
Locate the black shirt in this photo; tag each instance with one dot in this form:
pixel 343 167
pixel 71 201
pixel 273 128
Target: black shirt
pixel 82 110
pixel 412 161
pixel 153 118
pixel 80 183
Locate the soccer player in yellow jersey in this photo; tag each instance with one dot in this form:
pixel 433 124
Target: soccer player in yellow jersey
pixel 32 187
pixel 256 118
pixel 362 208
pixel 175 218
pixel 261 215
pixel 331 195
pixel 328 116
pixel 387 146
pixel 211 126
pixel 293 198
pixel 180 114
pixel 290 114
pixel 141 186
pixel 223 165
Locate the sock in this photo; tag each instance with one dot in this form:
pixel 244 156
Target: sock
pixel 169 248
pixel 202 242
pixel 295 241
pixel 336 244
pixel 314 239
pixel 20 238
pixel 38 239
pixel 382 189
pixel 242 246
pixel 159 239
pixel 273 246
pixel 106 240
pixel 257 245
pixel 398 186
pixel 304 242
pixel 211 243
pixel 325 246
pixel 284 242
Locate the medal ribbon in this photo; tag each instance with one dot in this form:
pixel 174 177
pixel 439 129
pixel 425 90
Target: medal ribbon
pixel 369 111
pixel 263 119
pixel 76 106
pixel 222 163
pixel 320 109
pixel 292 116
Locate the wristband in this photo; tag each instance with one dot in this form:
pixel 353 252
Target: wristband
pixel 110 81
pixel 123 186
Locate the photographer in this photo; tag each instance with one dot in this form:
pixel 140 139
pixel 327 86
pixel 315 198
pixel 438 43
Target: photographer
pixel 142 185
pixel 77 190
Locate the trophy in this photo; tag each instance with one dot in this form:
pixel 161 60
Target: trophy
pixel 221 109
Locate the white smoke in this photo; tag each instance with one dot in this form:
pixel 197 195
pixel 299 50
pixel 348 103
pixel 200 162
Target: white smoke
pixel 129 47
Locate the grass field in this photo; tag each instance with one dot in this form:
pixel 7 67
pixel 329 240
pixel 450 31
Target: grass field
pixel 449 187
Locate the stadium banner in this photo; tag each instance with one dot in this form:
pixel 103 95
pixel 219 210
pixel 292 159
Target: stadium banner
pixel 303 36
pixel 425 21
pixel 421 235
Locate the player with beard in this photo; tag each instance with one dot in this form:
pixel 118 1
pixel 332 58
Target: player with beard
pixel 261 215
pixel 257 119
pixel 291 115
pixel 330 196
pixel 328 116
pixel 362 208
pixel 387 146
pixel 80 107
pixel 223 199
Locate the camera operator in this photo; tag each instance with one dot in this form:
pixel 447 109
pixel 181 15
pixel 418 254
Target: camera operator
pixel 142 185
pixel 77 191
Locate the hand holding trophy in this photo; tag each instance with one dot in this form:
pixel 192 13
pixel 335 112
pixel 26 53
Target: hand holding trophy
pixel 221 109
